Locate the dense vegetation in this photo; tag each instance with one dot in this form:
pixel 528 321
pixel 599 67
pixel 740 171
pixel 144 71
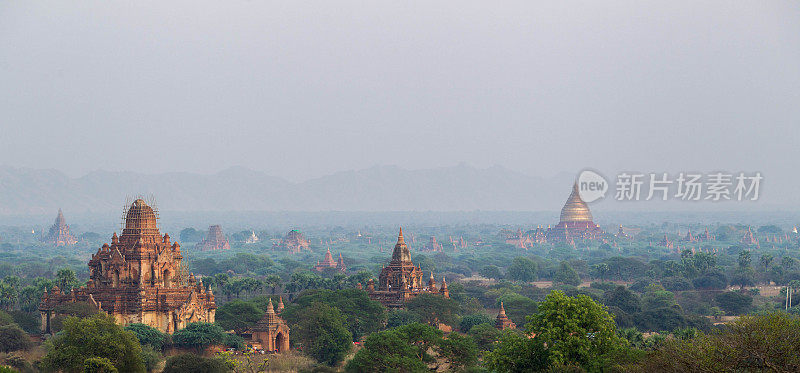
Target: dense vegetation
pixel 624 305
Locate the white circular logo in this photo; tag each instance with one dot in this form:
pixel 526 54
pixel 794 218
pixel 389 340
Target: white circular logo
pixel 591 186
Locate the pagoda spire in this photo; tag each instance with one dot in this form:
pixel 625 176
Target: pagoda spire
pixel 401 253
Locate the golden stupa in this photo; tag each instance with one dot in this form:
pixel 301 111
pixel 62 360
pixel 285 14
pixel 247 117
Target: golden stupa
pixel 575 209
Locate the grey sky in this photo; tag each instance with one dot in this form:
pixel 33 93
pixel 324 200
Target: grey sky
pixel 301 89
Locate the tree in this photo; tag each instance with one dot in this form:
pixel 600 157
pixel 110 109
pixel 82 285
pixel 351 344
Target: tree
pixel 238 315
pixel 787 262
pixel 362 314
pixel 601 271
pixel 517 354
pixel 491 271
pixel 96 336
pixel 66 280
pixel 458 351
pixel 99 365
pixel 576 331
pixel 12 338
pixel 148 335
pixel 744 259
pixel 566 275
pixel 766 259
pixel 322 334
pixel 433 309
pixel 522 269
pixel 467 322
pixel 199 335
pixel 623 298
pixel 400 317
pixel 750 344
pixel 485 335
pixel 734 303
pixel 743 276
pixel 404 349
pixel 195 363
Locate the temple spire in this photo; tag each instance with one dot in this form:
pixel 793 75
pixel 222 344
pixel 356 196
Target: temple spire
pixel 401 253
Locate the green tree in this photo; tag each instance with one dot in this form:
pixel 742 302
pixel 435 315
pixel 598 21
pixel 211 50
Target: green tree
pixel 522 269
pixel 12 338
pixel 576 331
pixel 734 303
pixel 766 259
pixel 404 349
pixel 467 322
pixel 762 343
pixel 744 259
pixel 400 317
pixel 485 335
pixel 322 334
pixel 623 298
pixel 238 315
pixel 199 335
pixel 491 271
pixel 194 363
pixel 458 351
pixel 148 335
pixel 788 263
pixel 99 365
pixel 517 354
pixel 601 271
pixel 433 309
pixel 566 275
pixel 66 280
pixel 96 336
pixel 362 314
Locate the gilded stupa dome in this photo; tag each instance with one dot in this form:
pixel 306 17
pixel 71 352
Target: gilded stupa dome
pixel 575 209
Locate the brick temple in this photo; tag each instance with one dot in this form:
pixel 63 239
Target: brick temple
pixel 214 240
pixel 329 264
pixel 138 279
pixel 401 280
pixel 59 234
pixel 294 242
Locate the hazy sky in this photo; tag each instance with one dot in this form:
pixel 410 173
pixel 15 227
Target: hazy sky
pixel 301 89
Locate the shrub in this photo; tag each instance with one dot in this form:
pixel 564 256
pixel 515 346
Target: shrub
pixel 12 338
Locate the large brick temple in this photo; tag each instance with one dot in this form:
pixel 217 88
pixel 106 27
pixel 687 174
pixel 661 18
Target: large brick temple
pixel 138 279
pixel 401 280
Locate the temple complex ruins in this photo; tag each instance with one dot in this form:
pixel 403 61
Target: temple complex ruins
pixel 138 279
pixel 329 264
pixel 59 234
pixel 401 280
pixel 214 240
pixel 294 242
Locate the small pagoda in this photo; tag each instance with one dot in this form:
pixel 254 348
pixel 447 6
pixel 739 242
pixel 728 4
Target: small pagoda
pixel 59 234
pixel 271 332
pixel 503 322
pixel 329 264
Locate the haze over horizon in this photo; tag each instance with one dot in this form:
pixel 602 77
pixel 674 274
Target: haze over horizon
pixel 307 90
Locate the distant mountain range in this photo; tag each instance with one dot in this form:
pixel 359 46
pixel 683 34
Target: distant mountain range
pixel 380 188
